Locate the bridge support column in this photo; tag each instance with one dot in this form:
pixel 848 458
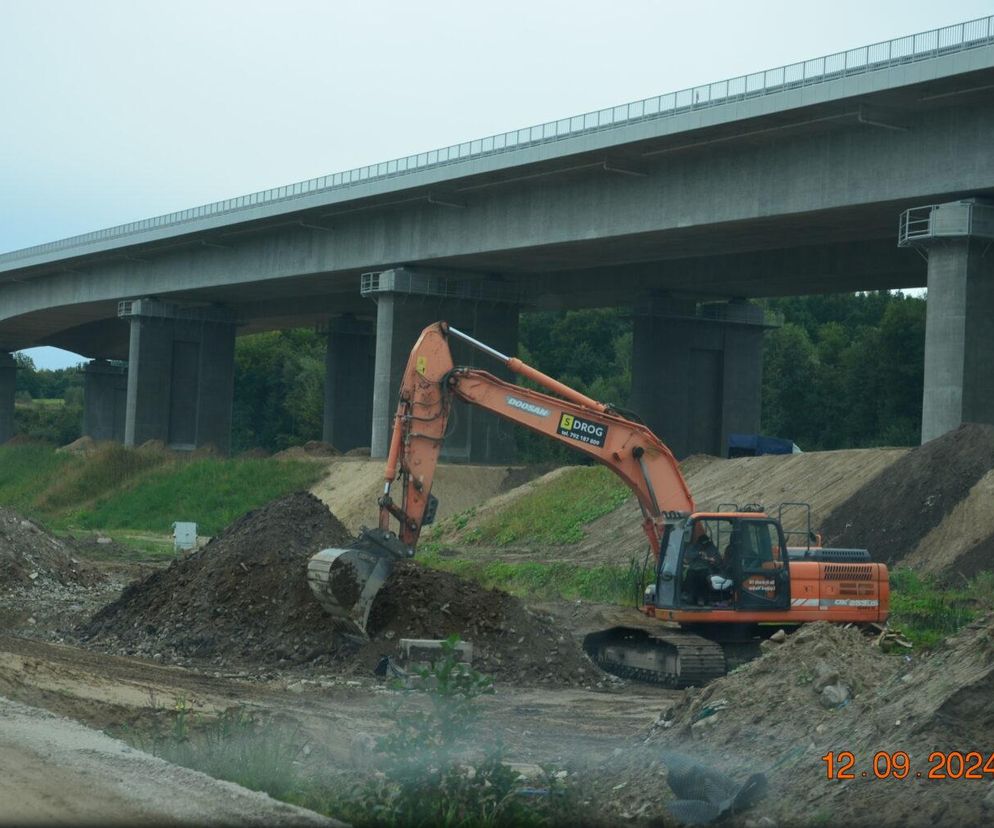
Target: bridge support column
pixel 8 385
pixel 348 383
pixel 181 368
pixel 697 373
pixel 407 301
pixel 105 395
pixel 959 321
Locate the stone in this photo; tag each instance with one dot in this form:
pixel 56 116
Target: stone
pixel 779 636
pixel 834 695
pixel 824 676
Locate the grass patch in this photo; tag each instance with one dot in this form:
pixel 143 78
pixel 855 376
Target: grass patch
pixel 107 469
pixel 143 491
pixel 209 491
pixel 554 513
pixel 548 581
pixel 27 470
pixel 926 611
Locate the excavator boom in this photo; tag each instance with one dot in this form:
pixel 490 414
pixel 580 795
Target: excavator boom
pixel 345 580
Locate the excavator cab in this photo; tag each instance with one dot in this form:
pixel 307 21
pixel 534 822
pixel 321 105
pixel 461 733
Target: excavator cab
pixel 725 561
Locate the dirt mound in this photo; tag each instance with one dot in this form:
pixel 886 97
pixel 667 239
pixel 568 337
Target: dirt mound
pixel 509 641
pixel 897 509
pixel 82 445
pixel 893 703
pixel 244 598
pixel 32 558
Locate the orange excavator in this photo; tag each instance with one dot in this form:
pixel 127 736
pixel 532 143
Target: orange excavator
pixel 722 582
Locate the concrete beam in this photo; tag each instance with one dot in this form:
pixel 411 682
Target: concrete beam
pixel 105 396
pixel 180 376
pixel 8 388
pixel 475 436
pixel 348 384
pixel 696 380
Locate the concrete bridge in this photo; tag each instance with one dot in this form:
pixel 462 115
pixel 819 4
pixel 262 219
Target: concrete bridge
pixel 681 207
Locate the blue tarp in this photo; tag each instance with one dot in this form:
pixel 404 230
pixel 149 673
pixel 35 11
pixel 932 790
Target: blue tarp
pixel 758 444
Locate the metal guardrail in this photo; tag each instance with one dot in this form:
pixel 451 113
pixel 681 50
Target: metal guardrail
pixel 955 219
pixel 910 48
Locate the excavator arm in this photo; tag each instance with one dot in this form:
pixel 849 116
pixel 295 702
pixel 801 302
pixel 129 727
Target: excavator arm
pixel 346 581
pixel 431 382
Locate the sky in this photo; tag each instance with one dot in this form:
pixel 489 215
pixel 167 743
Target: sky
pixel 115 111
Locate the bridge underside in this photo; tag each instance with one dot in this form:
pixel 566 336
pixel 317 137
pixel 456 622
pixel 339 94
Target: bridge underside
pixel 792 194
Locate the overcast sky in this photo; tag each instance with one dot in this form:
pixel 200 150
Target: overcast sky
pixel 114 111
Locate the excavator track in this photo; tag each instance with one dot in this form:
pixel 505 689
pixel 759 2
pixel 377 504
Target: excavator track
pixel 669 658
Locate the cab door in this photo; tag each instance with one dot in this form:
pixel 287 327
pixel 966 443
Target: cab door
pixel 757 557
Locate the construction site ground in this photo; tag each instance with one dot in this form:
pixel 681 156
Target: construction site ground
pixel 70 644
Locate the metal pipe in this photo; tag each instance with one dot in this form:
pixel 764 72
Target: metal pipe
pixel 523 369
pixel 479 345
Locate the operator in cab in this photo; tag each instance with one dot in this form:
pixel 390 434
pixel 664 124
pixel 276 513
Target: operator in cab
pixel 703 561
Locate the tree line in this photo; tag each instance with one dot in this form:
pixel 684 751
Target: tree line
pixel 842 371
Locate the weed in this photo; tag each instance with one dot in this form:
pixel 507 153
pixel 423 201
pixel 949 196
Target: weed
pixel 926 611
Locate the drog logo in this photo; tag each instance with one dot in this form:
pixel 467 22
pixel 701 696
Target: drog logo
pixel 583 431
pixel 531 408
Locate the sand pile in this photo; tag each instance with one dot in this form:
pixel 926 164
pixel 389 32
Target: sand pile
pixel 244 599
pixel 895 511
pixel 32 558
pixel 770 716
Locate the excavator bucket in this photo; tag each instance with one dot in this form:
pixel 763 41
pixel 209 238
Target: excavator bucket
pixel 347 580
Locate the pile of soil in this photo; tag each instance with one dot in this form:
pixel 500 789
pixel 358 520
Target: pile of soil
pixel 244 599
pixel 896 510
pixel 769 717
pixel 32 558
pixel 244 596
pixel 311 450
pixel 510 642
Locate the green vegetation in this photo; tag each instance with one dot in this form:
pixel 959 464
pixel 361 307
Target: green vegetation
pixel 547 581
pixel 144 490
pixel 436 765
pixel 554 513
pixel 926 611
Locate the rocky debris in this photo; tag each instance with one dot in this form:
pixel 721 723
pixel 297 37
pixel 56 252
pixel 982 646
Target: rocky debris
pixel 894 511
pixel 31 558
pixel 829 688
pixel 244 599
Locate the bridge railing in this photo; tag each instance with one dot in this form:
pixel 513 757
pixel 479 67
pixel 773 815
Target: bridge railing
pixel 922 46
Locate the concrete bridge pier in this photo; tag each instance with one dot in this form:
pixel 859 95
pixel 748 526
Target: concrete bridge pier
pixel 348 384
pixel 181 369
pixel 8 386
pixel 105 394
pixel 697 372
pixel 958 238
pixel 409 300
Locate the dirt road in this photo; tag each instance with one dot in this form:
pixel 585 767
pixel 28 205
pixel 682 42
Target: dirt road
pixel 57 771
pixel 538 725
